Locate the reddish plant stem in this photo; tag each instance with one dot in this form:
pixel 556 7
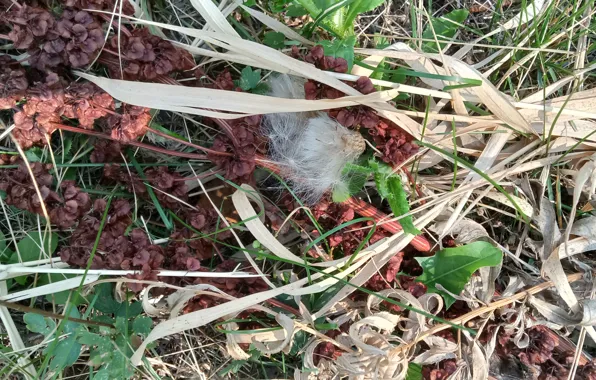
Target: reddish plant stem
pixel 365 209
pixel 133 143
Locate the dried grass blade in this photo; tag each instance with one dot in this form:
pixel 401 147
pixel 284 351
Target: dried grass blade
pixel 276 25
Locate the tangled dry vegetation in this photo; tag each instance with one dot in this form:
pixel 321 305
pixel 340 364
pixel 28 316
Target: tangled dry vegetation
pixel 153 226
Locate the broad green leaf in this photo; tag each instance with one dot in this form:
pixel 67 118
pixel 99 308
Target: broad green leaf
pixel 102 343
pixel 129 310
pixel 249 79
pixel 296 10
pixel 105 301
pixel 355 178
pixel 444 27
pixel 232 368
pixel 5 253
pixel 398 200
pixel 453 267
pixel 274 40
pixel 65 354
pixel 30 247
pixel 142 325
pixel 414 372
pixel 341 48
pixel 38 324
pixel 362 6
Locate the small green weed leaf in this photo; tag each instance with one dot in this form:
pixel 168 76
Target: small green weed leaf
pixel 232 368
pixel 298 342
pixel 5 253
pixel 142 325
pixel 38 324
pixel 453 267
pixel 356 176
pixel 34 154
pixel 398 200
pixel 277 6
pixel 30 247
pixel 390 187
pixel 414 372
pixel 103 343
pixel 296 10
pixel 65 353
pixel 102 374
pixel 382 173
pixel 444 27
pixel 341 48
pixel 361 6
pixel 105 301
pixel 274 40
pixel 129 310
pixel 249 79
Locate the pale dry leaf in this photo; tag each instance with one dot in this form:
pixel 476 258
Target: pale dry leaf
pixel 52 288
pixel 14 337
pixel 276 25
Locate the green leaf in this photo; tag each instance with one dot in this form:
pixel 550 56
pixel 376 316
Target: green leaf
pixel 129 310
pixel 5 253
pixel 414 372
pixel 232 368
pixel 274 40
pixel 105 301
pixel 444 27
pixel 65 354
pixel 362 6
pixel 453 267
pixel 341 48
pixel 390 187
pixel 142 325
pixel 249 78
pixel 103 343
pixel 398 201
pixel 38 324
pixel 296 10
pixel 30 247
pixel 34 154
pixel 356 176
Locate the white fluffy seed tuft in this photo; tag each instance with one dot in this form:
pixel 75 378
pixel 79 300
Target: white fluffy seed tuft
pixel 311 148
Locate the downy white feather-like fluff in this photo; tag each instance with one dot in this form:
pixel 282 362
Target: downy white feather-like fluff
pixel 311 148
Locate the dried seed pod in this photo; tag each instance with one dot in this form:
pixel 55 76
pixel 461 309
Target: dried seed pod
pixel 312 149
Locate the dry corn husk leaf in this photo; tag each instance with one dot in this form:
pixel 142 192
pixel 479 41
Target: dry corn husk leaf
pixel 52 288
pixel 276 25
pixel 14 337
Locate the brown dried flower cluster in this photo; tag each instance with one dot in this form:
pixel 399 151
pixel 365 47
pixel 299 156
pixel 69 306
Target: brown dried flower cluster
pixel 13 82
pixel 64 211
pixel 102 5
pixel 317 57
pixel 168 184
pixel 146 56
pixel 45 103
pixel 244 147
pixel 130 124
pixel 74 39
pixel 115 250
